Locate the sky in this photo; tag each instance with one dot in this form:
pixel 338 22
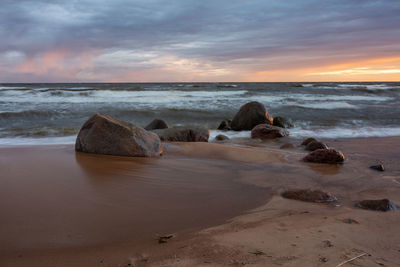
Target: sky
pixel 192 40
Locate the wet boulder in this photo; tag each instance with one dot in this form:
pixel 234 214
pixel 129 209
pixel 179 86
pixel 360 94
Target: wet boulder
pixel 102 134
pixel 183 134
pixel 314 145
pixel 283 122
pixel 378 205
pixel 156 124
pixel 249 116
pixel 307 141
pixel 225 125
pixel 221 137
pixel 267 131
pixel 330 156
pixel 309 195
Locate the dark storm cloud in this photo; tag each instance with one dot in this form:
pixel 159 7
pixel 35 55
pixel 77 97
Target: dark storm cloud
pixel 223 33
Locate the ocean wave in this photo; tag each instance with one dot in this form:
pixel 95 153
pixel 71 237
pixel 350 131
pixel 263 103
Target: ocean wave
pixel 323 105
pixel 351 86
pixel 346 132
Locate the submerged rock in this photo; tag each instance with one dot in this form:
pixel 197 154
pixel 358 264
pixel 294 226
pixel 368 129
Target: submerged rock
pixel 102 134
pixel 225 125
pixel 379 205
pixel 249 116
pixel 222 137
pixel 309 195
pixel 184 134
pixel 283 122
pixel 156 124
pixel 330 156
pixel 287 146
pixel 379 167
pixel 307 141
pixel 314 145
pixel 267 131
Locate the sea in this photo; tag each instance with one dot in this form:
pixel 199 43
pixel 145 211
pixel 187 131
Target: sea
pixel 42 113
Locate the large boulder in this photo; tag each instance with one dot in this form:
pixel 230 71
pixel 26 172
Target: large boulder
pixel 377 204
pixel 249 116
pixel 267 131
pixel 314 145
pixel 283 122
pixel 184 134
pixel 325 156
pixel 309 195
pixel 156 124
pixel 102 134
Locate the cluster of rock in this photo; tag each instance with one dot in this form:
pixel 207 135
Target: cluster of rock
pixel 253 116
pixel 102 134
pixel 321 153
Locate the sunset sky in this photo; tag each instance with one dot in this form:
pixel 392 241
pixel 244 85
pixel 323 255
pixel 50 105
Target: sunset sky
pixel 191 40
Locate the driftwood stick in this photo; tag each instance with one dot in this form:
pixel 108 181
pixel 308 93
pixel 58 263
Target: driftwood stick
pixel 359 256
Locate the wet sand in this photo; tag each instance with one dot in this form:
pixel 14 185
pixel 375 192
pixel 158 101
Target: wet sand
pixel 60 208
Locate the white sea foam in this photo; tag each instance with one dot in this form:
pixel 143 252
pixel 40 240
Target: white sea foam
pixel 346 132
pixel 325 105
pixel 230 134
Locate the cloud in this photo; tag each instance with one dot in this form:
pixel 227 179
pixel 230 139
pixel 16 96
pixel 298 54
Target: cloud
pixel 189 40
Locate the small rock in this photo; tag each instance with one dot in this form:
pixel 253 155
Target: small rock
pixel 249 116
pixel 323 259
pixel 314 145
pixel 283 122
pixel 225 125
pixel 327 244
pixel 287 146
pixel 308 140
pixel 183 134
pixel 156 124
pixel 379 167
pixel 378 204
pixel 221 137
pixel 330 156
pixel 266 131
pixel 350 221
pixel 309 195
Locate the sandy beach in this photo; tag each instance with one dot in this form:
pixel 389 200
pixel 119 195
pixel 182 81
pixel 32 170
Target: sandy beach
pixel 221 202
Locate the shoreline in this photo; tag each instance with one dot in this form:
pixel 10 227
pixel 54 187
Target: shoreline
pixel 299 228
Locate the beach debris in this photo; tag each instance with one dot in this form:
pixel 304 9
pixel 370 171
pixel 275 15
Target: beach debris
pixel 221 137
pixel 183 134
pixel 377 204
pixel 101 134
pixel 287 146
pixel 327 244
pixel 307 141
pixel 249 116
pixel 225 125
pixel 314 145
pixel 283 122
pixel 309 195
pixel 267 131
pixel 330 156
pixel 156 124
pixel 350 221
pixel 257 252
pixel 323 259
pixel 164 238
pixel 379 167
pixel 352 259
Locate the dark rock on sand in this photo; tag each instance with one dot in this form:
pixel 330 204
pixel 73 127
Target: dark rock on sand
pixel 156 124
pixel 287 146
pixel 307 141
pixel 221 137
pixel 309 195
pixel 266 131
pixel 249 116
pixel 379 167
pixel 183 134
pixel 314 145
pixel 225 125
pixel 283 122
pixel 102 134
pixel 325 156
pixel 379 205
